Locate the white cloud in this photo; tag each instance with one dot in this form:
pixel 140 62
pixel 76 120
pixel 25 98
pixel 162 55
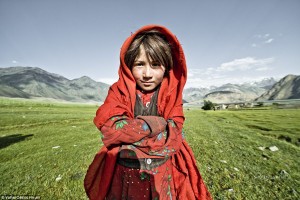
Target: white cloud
pixel 190 74
pixel 109 81
pixel 207 82
pixel 262 36
pixel 14 62
pixel 263 68
pixel 237 71
pixel 269 41
pixel 262 39
pixel 245 64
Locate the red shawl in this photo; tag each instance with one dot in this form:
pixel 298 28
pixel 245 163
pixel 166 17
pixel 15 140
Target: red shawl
pixel 121 100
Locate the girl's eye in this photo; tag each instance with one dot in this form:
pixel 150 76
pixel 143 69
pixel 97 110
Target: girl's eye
pixel 139 64
pixel 155 65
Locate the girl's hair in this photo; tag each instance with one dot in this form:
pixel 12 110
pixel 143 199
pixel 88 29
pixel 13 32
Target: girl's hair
pixel 156 47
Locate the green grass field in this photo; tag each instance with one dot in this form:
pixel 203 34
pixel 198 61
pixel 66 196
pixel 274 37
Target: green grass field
pixel 45 149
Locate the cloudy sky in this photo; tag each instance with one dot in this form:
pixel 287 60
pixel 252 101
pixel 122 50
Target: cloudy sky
pixel 224 40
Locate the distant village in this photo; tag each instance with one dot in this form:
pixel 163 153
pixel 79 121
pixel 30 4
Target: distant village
pixel 287 103
pixel 224 106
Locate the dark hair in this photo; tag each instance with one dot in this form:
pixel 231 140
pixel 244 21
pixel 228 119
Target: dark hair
pixel 156 47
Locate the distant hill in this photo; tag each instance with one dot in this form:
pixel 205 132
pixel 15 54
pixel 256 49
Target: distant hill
pixel 234 93
pixel 287 88
pixel 33 82
pixel 229 93
pixel 194 94
pixel 265 83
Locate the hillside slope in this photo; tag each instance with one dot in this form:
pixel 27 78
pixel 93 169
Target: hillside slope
pixel 228 93
pixel 287 88
pixel 32 82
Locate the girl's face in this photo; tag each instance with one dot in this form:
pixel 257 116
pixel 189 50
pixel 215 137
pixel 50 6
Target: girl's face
pixel 148 74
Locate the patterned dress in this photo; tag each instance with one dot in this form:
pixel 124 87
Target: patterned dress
pixel 132 182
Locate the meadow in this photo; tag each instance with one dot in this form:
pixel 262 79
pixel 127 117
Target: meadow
pixel 46 148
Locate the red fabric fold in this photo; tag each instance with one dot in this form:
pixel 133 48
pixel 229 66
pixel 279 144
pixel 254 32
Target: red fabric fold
pixel 99 175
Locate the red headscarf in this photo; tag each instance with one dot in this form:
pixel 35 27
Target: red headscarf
pixel 122 94
pixel 121 100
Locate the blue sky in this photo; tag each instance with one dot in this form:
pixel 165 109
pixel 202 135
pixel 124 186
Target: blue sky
pixel 224 40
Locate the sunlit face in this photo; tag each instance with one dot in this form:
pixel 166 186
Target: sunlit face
pixel 148 74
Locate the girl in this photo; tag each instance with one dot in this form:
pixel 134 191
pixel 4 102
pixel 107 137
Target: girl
pixel 145 155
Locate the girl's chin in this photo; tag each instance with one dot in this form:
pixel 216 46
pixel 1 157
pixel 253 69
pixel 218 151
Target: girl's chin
pixel 147 88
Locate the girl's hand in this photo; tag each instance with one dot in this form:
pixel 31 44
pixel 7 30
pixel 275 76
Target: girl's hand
pixel 155 123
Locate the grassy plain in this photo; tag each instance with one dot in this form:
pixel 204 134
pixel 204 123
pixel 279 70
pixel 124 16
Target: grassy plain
pixel 232 150
pixel 45 149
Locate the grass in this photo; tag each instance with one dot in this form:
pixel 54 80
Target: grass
pixel 45 149
pixel 29 163
pixel 226 145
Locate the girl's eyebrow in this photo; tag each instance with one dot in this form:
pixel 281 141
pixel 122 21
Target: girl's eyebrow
pixel 139 61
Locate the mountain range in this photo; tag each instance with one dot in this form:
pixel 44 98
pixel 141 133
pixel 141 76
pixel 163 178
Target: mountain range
pixel 286 88
pixel 267 89
pixel 33 82
pixel 229 92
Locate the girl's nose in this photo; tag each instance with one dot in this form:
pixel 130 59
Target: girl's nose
pixel 147 71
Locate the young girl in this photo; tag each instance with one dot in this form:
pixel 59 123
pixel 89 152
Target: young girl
pixel 145 155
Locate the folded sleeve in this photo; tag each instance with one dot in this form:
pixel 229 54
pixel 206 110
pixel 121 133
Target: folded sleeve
pixel 123 130
pixel 155 123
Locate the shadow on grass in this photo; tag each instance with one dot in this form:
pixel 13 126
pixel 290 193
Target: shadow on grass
pixel 11 139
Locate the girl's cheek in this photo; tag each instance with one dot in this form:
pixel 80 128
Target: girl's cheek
pixel 136 72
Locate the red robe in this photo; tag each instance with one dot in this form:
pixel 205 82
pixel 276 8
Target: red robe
pixel 120 101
